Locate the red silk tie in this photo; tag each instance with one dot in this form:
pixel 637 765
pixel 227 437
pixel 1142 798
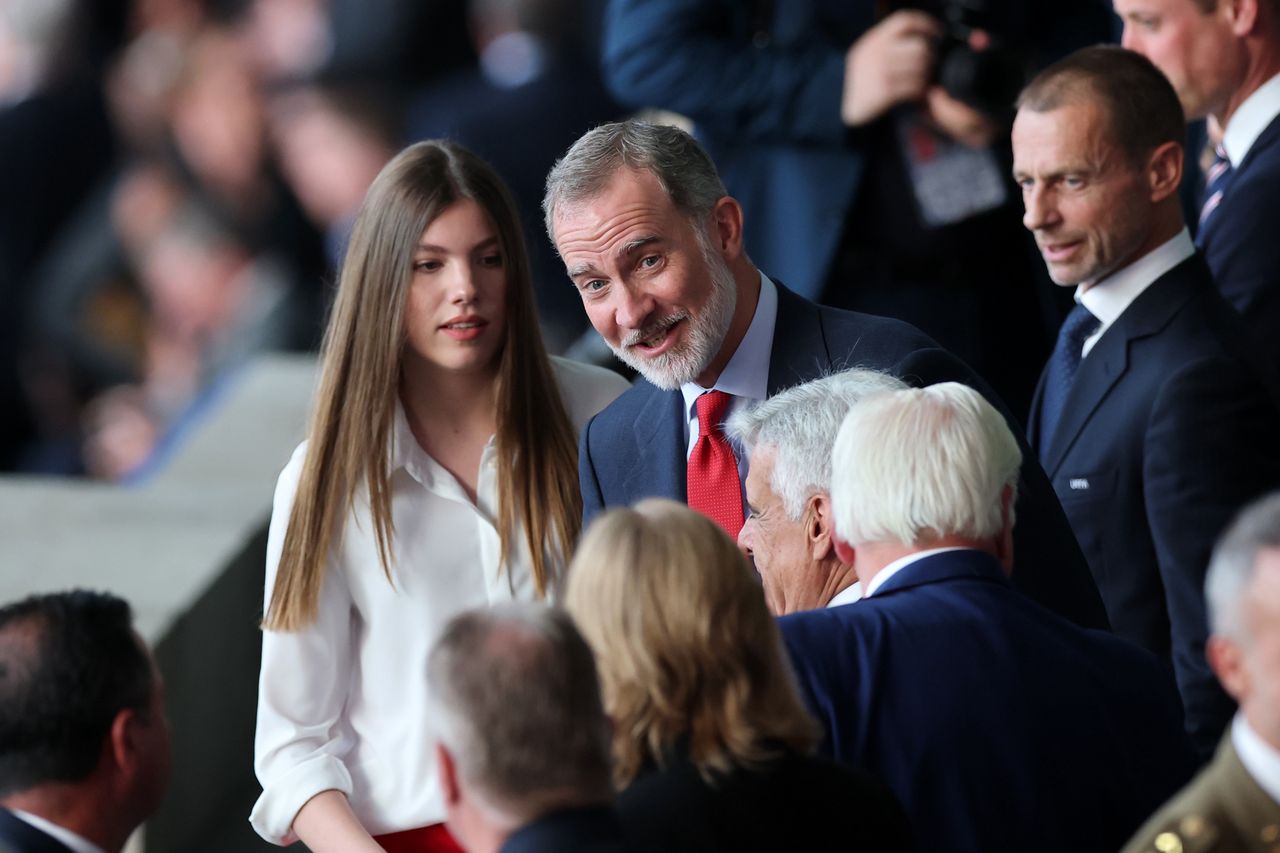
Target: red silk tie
pixel 714 487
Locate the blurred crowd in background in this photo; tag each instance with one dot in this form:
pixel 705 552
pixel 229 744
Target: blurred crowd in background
pixel 177 178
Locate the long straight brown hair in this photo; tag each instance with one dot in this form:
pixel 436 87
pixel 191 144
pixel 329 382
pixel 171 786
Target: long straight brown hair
pixel 349 438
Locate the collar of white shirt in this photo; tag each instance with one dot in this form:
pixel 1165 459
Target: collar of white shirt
pixel 882 577
pixel 746 376
pixel 1260 758
pixel 68 838
pixel 1109 297
pixel 1250 119
pixel 848 595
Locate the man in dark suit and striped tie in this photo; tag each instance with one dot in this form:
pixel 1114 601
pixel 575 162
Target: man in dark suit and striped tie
pixel 1151 418
pixel 1223 58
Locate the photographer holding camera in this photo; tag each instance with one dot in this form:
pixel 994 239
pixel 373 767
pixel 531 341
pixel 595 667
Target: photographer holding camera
pixel 868 143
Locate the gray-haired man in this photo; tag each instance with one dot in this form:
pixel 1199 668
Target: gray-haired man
pixel 522 737
pixel 789 531
pixel 655 247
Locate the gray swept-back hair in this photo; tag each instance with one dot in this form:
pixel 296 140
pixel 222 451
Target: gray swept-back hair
pixel 923 463
pixel 683 169
pixel 1255 529
pixel 515 698
pixel 800 425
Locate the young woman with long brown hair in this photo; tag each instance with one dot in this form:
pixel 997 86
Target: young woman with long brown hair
pixel 439 473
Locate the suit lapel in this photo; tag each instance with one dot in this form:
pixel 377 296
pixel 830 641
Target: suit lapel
pixel 1109 358
pixel 658 466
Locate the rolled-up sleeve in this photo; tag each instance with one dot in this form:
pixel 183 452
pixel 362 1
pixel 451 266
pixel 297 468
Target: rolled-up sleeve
pixel 301 739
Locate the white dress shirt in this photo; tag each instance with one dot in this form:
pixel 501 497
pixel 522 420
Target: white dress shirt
pixel 1260 758
pixel 68 839
pixel 746 376
pixel 848 595
pixel 342 704
pixel 1108 298
pixel 1250 119
pixel 882 576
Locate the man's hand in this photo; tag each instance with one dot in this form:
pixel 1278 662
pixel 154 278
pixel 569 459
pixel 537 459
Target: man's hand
pixel 891 64
pixel 958 120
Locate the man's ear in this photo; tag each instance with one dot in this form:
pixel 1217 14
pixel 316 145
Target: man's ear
pixel 448 775
pixel 124 741
pixel 1164 170
pixel 726 227
pixel 1226 658
pixel 819 526
pixel 1241 14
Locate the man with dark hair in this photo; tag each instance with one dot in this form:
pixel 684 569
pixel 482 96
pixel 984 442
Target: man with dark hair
pixel 1150 417
pixel 655 247
pixel 1223 58
pixel 522 737
pixel 84 742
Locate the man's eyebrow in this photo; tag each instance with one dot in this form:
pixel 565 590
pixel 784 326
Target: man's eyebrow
pixel 627 248
pixel 581 269
pixel 631 245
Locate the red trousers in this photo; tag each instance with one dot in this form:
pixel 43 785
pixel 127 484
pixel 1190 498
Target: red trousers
pixel 427 839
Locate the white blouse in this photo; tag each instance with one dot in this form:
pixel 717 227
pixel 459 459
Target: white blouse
pixel 342 703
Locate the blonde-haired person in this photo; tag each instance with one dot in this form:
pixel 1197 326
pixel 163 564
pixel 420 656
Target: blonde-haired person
pixel 712 746
pixel 439 474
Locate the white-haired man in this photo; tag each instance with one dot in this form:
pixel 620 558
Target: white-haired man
pixel 1234 804
pixel 789 530
pixel 998 725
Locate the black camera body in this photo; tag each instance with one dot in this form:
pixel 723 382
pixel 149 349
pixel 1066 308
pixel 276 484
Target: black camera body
pixel 988 80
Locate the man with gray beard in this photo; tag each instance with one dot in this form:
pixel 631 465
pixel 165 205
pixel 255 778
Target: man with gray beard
pixel 654 245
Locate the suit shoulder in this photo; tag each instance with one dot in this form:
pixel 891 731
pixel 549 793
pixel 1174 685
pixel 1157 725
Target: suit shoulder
pixel 854 329
pixel 586 388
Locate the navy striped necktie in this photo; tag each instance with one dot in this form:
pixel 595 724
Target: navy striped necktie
pixel 1215 182
pixel 1061 371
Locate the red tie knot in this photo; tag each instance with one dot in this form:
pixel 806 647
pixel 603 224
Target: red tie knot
pixel 711 408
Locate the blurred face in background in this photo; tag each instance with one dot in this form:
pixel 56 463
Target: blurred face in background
pixel 1197 49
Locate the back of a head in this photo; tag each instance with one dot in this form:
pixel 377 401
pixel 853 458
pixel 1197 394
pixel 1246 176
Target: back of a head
pixel 683 169
pixel 1142 106
pixel 1232 567
pixel 685 644
pixel 800 424
pixel 69 663
pixel 921 464
pixel 517 703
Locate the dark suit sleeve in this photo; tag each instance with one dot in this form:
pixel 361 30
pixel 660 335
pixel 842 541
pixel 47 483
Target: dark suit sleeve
pixel 588 482
pixel 1209 450
pixel 1042 536
pixel 681 55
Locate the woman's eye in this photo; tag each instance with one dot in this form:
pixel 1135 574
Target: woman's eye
pixel 494 260
pixel 426 266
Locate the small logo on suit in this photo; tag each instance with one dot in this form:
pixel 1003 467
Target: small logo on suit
pixel 1079 484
